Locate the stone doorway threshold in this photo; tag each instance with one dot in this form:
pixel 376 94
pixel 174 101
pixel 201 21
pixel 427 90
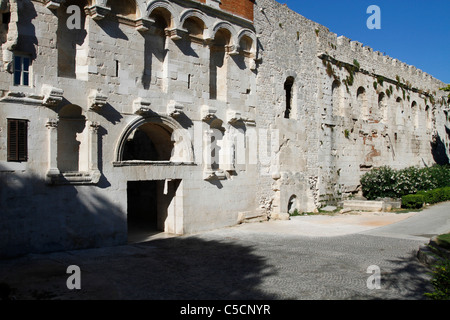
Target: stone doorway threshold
pixel 144 236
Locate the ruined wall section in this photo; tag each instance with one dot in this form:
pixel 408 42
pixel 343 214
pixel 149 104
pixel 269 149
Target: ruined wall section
pixel 287 50
pixel 353 109
pixel 382 111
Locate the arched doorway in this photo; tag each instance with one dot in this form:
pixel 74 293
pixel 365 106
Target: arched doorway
pixel 154 200
pixel 149 142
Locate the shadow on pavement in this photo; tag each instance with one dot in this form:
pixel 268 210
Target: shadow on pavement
pixel 167 269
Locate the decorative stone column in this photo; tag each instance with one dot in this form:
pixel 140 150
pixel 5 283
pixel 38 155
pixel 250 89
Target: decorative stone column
pixel 52 126
pixel 93 152
pixel 208 172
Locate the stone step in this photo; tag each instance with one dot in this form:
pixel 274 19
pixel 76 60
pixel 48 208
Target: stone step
pixel 252 216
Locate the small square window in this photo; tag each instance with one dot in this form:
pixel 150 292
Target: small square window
pixel 21 70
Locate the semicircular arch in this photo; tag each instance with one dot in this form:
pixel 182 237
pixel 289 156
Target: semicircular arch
pixel 182 149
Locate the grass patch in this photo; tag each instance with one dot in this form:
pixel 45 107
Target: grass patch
pixel 443 240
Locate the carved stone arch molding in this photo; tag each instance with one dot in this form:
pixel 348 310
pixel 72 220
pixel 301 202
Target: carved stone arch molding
pixel 290 74
pixel 180 136
pixel 195 13
pixel 227 26
pixel 174 12
pixel 141 6
pixel 251 35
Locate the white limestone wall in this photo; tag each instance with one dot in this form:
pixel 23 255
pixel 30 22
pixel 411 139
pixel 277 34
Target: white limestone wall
pixel 40 216
pixel 334 136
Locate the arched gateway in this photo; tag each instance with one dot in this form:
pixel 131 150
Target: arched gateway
pixel 148 149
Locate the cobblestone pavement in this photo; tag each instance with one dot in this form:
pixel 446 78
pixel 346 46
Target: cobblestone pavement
pixel 236 263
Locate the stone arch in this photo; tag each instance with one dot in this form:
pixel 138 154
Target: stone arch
pixel 361 97
pixel 415 114
pixel 336 97
pixel 126 8
pixel 194 26
pixel 162 9
pixel 428 115
pixel 195 16
pixel 220 49
pixel 72 43
pixel 382 106
pixel 246 40
pixel 171 142
pixel 292 204
pixel 223 25
pixel 399 111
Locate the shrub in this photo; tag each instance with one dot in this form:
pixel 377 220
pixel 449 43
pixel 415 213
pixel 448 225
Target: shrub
pixel 379 183
pixel 436 195
pixel 443 241
pixel 413 201
pixel 386 182
pixel 441 281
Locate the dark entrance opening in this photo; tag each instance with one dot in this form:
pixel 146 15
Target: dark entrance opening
pixel 151 208
pixel 142 201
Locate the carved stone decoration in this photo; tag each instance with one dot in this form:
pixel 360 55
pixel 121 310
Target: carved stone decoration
pixel 174 34
pixel 141 106
pixel 144 24
pixel 97 12
pixel 52 96
pixel 209 175
pixel 232 50
pixel 94 126
pixel 233 116
pixel 22 98
pixel 53 4
pixel 208 113
pixel 52 123
pixel 174 109
pixel 96 100
pixel 250 122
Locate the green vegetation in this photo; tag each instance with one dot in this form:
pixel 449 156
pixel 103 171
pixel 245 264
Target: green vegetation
pixel 441 269
pixel 443 241
pixel 329 70
pixel 413 201
pixel 387 182
pixel 346 133
pixel 435 195
pixel 447 89
pixel 440 280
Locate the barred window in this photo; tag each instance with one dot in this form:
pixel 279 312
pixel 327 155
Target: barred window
pixel 17 140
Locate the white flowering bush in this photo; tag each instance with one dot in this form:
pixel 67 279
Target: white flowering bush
pixel 386 182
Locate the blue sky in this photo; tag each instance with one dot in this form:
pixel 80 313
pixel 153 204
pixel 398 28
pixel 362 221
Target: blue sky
pixel 416 32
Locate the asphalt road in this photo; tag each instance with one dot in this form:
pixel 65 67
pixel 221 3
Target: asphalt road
pixel 307 258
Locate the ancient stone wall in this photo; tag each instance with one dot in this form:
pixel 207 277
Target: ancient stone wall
pixel 174 70
pixel 217 117
pixel 351 109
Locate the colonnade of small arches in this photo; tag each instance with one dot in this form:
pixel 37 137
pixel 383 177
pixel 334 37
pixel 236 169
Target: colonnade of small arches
pixel 174 18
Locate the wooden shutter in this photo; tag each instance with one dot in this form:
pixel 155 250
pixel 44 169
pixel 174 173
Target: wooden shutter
pixel 17 140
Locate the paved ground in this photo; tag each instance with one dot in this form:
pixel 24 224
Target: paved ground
pixel 310 257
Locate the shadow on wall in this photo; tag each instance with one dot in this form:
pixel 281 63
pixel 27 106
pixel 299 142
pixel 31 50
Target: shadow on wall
pixel 27 42
pixel 439 151
pixel 182 268
pixel 37 218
